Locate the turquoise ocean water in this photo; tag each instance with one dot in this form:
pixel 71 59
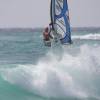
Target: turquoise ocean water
pixel 31 71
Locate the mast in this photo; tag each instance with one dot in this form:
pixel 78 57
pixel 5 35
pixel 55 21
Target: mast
pixel 52 13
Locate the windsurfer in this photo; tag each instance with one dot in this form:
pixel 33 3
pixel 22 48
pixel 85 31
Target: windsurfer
pixel 46 34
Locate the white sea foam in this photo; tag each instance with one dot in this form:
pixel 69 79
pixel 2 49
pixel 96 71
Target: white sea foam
pixel 87 36
pixel 72 75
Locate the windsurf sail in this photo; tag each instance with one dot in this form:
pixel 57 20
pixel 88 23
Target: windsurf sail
pixel 60 20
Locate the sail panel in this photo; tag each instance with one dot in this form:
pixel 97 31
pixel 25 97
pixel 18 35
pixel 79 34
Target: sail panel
pixel 60 27
pixel 58 6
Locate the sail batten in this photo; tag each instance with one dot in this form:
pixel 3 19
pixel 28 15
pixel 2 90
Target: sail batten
pixel 60 20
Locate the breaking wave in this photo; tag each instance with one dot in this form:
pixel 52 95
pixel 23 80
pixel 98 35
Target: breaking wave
pixel 60 75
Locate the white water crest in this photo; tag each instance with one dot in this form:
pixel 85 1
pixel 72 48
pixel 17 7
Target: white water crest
pixel 71 75
pixel 87 36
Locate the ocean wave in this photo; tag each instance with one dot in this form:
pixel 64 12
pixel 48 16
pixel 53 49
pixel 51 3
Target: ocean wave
pixel 87 36
pixel 60 75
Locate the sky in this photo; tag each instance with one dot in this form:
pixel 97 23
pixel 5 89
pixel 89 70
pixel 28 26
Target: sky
pixel 35 13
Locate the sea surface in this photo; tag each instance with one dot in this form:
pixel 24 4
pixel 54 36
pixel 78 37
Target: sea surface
pixel 31 71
